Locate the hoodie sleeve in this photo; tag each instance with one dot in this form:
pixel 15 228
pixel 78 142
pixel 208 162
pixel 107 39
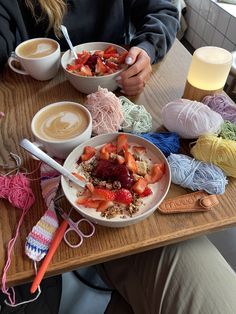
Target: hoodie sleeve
pixel 12 29
pixel 156 24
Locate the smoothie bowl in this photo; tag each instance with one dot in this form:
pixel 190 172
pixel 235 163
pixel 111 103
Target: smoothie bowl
pixel 98 64
pixel 127 178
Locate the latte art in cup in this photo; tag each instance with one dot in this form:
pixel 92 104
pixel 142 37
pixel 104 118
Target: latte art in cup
pixel 60 127
pixel 61 123
pixel 37 57
pixel 37 48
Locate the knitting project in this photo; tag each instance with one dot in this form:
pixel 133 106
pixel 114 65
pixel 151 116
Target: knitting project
pixel 40 238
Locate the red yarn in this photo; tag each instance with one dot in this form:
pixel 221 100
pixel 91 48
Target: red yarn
pixel 16 189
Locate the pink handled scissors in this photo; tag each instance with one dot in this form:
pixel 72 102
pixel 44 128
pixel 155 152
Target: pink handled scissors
pixel 74 226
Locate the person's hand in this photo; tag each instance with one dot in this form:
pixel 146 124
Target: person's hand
pixel 133 80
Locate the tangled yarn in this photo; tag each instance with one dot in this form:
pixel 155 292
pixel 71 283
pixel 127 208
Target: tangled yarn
pixel 190 119
pixel 106 111
pixel 165 141
pixel 228 131
pixel 220 152
pixel 16 189
pixel 221 104
pixel 136 118
pixel 196 175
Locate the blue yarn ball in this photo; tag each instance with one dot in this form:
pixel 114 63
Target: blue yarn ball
pixel 167 142
pixel 196 175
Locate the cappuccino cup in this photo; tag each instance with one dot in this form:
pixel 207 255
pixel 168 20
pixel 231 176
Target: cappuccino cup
pixel 38 57
pixel 60 127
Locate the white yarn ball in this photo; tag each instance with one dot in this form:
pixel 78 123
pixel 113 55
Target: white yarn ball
pixel 190 119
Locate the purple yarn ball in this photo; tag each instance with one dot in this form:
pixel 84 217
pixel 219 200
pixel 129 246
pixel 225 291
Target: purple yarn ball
pixel 222 105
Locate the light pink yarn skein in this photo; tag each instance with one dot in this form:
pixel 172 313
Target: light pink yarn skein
pixel 190 119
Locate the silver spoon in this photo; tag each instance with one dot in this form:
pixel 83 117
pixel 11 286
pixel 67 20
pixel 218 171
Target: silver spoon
pixel 66 35
pixel 37 152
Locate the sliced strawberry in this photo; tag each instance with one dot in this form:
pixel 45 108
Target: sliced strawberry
pixel 156 173
pixel 103 194
pixel 109 148
pixel 100 67
pixel 139 186
pixel 90 187
pixel 91 203
pixel 104 205
pixel 139 150
pixel 85 157
pixel 130 162
pixel 123 196
pixel 112 65
pixel 146 192
pixel 122 143
pixel 110 49
pixel 78 176
pixel 99 53
pixel 87 192
pixel 82 58
pixel 73 67
pixel 89 150
pixel 104 156
pixel 121 58
pixel 120 159
pixel 82 199
pixel 85 71
pixel 111 55
pixel 88 153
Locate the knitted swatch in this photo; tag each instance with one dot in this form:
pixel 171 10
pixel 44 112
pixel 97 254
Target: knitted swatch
pixel 39 239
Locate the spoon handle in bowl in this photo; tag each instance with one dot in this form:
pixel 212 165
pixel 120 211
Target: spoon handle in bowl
pixel 66 35
pixel 37 152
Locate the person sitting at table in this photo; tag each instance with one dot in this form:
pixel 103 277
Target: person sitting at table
pixel 148 26
pixel 190 277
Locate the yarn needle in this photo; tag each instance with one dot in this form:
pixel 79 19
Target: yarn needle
pixel 37 152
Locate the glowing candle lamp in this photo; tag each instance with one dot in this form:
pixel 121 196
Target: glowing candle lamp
pixel 208 72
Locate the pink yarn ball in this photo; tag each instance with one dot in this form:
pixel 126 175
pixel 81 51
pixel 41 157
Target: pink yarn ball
pixel 106 111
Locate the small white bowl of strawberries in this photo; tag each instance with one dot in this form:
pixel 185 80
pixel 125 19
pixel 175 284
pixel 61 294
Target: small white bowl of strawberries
pixel 97 64
pixel 126 178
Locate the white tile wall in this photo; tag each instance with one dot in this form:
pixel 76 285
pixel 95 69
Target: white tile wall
pixel 210 24
pixel 204 9
pixel 231 31
pixel 223 21
pixel 213 14
pixel 217 39
pixel 208 33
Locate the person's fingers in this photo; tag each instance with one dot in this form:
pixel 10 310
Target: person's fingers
pixel 132 80
pixel 132 55
pixel 141 63
pixel 139 79
pixel 135 85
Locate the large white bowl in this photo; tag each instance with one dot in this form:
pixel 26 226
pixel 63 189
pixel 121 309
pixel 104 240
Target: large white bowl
pixel 160 188
pixel 89 84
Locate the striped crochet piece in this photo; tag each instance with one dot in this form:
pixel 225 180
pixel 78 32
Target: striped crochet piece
pixel 40 238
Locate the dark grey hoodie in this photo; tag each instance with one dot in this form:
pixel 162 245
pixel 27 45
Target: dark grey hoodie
pixel 148 24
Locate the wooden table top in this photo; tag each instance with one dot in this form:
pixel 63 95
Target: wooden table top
pixel 20 98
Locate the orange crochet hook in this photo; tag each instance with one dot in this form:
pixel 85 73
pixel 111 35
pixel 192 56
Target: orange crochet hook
pixel 55 243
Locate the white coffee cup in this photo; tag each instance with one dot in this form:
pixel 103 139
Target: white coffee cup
pixel 39 58
pixel 60 127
